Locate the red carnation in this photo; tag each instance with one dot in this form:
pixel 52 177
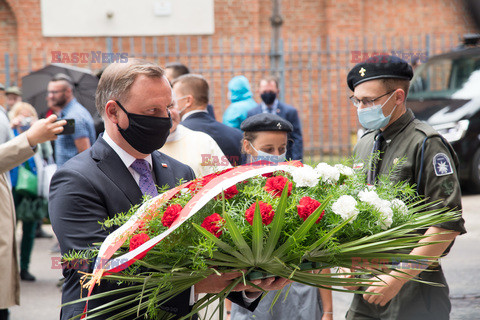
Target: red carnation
pixel 213 223
pixel 266 211
pixel 307 206
pixel 275 186
pixel 142 226
pixel 170 214
pixel 229 193
pixel 136 241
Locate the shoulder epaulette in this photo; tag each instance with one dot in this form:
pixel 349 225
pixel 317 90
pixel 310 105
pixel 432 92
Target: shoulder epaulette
pixel 426 129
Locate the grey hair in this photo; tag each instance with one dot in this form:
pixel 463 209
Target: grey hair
pixel 64 79
pixel 118 78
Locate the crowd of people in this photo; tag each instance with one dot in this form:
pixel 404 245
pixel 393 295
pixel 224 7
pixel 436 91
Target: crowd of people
pixel 160 128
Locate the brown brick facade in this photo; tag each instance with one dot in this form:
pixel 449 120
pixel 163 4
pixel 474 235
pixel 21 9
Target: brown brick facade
pixel 320 38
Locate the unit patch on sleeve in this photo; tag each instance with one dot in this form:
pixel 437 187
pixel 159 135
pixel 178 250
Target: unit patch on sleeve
pixel 442 165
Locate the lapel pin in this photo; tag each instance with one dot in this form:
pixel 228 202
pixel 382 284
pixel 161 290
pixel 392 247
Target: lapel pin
pixel 164 165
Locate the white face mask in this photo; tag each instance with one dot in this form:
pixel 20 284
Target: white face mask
pixel 263 156
pixel 180 111
pixel 373 118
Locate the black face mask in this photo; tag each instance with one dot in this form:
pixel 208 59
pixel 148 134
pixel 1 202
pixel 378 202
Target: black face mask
pixel 145 133
pixel 268 97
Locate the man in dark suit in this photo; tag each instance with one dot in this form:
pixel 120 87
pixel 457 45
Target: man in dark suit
pixel 133 99
pixel 173 70
pixel 191 94
pixel 269 94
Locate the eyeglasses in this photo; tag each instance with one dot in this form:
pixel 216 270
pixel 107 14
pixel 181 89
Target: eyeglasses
pixel 55 92
pixel 367 102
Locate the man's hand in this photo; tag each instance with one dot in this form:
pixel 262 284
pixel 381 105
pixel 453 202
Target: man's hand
pixel 214 283
pixel 386 293
pixel 346 270
pixel 269 284
pixel 44 130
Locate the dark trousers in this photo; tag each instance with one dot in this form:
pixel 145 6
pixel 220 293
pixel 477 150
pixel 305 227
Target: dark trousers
pixel 28 238
pixel 29 228
pixel 415 301
pixel 4 314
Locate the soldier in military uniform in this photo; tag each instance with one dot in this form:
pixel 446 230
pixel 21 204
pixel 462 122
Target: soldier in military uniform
pixel 422 157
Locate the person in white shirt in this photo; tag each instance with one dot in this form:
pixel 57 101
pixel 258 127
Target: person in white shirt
pixel 193 148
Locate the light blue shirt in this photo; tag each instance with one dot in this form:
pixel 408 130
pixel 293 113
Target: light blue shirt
pixel 65 148
pixel 273 110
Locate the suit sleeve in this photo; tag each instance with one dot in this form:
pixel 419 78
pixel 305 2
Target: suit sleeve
pixel 296 135
pixel 75 210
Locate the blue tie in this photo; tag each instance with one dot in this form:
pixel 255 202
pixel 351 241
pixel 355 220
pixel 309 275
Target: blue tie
pixel 146 183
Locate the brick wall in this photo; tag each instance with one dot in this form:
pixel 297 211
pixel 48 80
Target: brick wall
pixel 315 83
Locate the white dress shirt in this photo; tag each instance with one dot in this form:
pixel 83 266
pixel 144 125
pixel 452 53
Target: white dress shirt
pixel 126 158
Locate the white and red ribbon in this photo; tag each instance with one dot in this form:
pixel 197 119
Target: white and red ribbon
pixel 212 189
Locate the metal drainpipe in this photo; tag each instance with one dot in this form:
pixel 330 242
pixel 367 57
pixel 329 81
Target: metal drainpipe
pixel 276 55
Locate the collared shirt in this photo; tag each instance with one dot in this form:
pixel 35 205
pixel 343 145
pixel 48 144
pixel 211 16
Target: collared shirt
pixel 126 158
pixel 272 109
pixel 188 114
pixel 65 144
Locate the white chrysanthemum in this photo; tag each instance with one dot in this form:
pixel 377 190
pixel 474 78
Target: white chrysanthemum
pixel 305 176
pixel 400 206
pixel 345 206
pixel 385 208
pixel 370 197
pixel 328 173
pixel 386 221
pixel 386 214
pixel 346 171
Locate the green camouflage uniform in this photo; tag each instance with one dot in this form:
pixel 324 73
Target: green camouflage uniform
pixel 430 163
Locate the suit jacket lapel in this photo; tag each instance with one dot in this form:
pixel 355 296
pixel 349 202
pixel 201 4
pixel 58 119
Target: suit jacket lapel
pixel 280 110
pixel 163 171
pixel 113 167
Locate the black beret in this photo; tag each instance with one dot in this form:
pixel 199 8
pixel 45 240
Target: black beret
pixel 379 67
pixel 266 122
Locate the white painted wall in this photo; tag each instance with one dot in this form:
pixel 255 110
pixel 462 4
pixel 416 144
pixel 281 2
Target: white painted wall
pixel 126 17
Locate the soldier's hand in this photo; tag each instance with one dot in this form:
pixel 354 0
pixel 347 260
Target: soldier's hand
pixel 387 292
pixel 44 130
pixel 348 276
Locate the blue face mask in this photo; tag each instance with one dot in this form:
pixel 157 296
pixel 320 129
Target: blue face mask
pixel 373 118
pixel 263 156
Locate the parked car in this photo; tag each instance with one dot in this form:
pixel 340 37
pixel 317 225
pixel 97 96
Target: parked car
pixel 445 93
